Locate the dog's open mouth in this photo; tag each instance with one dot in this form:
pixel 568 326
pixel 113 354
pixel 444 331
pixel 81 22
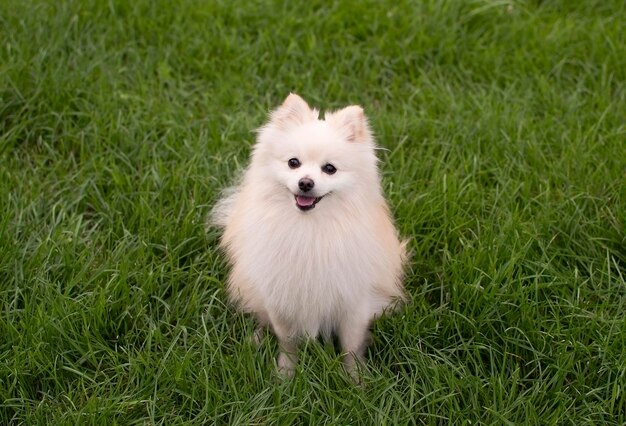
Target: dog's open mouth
pixel 305 203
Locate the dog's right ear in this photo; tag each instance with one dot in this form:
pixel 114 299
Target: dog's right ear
pixel 351 121
pixel 292 112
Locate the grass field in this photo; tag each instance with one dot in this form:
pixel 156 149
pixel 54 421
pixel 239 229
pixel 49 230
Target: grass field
pixel 505 129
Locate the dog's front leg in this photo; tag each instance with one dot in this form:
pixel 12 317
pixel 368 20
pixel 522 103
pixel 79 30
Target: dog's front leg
pixel 288 355
pixel 354 336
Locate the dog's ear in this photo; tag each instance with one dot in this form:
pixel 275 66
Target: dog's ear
pixel 351 121
pixel 293 111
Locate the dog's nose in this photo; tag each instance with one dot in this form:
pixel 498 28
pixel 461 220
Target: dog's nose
pixel 306 184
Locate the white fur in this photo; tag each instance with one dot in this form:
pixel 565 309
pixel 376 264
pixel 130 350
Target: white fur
pixel 331 269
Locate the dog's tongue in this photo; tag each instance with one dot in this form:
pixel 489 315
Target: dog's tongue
pixel 304 201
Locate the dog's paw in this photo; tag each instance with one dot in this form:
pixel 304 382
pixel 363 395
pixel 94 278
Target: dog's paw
pixel 257 337
pixel 355 367
pixel 286 365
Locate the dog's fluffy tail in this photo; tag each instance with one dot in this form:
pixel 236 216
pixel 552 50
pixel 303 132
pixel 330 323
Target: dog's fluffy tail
pixel 222 211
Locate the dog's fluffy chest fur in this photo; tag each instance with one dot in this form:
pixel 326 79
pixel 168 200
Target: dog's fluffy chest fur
pixel 311 270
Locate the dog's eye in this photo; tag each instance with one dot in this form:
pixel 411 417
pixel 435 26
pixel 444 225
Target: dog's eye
pixel 293 163
pixel 329 169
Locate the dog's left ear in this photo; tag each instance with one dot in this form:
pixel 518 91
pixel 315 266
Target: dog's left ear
pixel 351 121
pixel 293 111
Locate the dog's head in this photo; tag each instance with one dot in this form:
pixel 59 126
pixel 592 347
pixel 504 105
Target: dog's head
pixel 313 160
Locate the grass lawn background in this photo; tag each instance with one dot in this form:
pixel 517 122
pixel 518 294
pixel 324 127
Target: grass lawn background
pixel 505 129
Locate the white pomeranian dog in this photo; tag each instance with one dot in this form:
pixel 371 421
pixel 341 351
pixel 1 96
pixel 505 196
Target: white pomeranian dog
pixel 312 246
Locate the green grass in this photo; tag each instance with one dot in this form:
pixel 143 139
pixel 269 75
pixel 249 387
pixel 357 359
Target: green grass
pixel 505 124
